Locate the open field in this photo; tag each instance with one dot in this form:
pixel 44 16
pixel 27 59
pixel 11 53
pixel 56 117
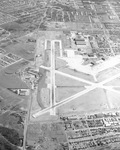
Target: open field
pixel 8 100
pixel 15 29
pixel 11 81
pixel 101 76
pixel 114 83
pixel 67 109
pixel 93 101
pixel 21 49
pixel 16 67
pixel 117 88
pixel 114 99
pixel 46 136
pixel 60 64
pixel 65 92
pixel 77 74
pixel 63 81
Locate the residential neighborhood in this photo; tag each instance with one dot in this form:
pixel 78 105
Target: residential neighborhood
pixel 59 75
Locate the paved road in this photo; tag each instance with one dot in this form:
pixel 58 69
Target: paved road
pixel 69 99
pixel 88 89
pixel 73 77
pixel 52 85
pixel 27 119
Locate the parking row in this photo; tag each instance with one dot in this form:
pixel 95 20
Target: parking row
pixel 87 144
pixel 8 59
pixel 5 18
pixel 90 116
pixel 107 140
pixel 60 15
pixel 104 131
pixel 91 123
pixel 10 5
pixel 82 144
pixel 83 134
pixel 78 134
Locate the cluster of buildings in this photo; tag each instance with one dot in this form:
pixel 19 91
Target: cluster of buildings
pixel 89 48
pixel 30 76
pixel 100 126
pixel 78 44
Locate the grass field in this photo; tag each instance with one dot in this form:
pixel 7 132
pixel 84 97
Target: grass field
pixel 15 67
pixel 77 74
pixel 117 88
pixel 11 81
pixel 46 136
pixel 107 74
pixel 9 100
pixel 60 63
pixel 65 92
pixel 62 81
pixel 114 99
pixel 93 101
pixel 115 82
pixel 21 49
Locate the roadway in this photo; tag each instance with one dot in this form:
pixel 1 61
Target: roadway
pixel 27 119
pixel 52 85
pixel 87 90
pixel 92 86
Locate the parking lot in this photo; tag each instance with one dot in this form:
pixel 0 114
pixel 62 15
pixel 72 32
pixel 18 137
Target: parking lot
pixel 8 59
pixel 92 130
